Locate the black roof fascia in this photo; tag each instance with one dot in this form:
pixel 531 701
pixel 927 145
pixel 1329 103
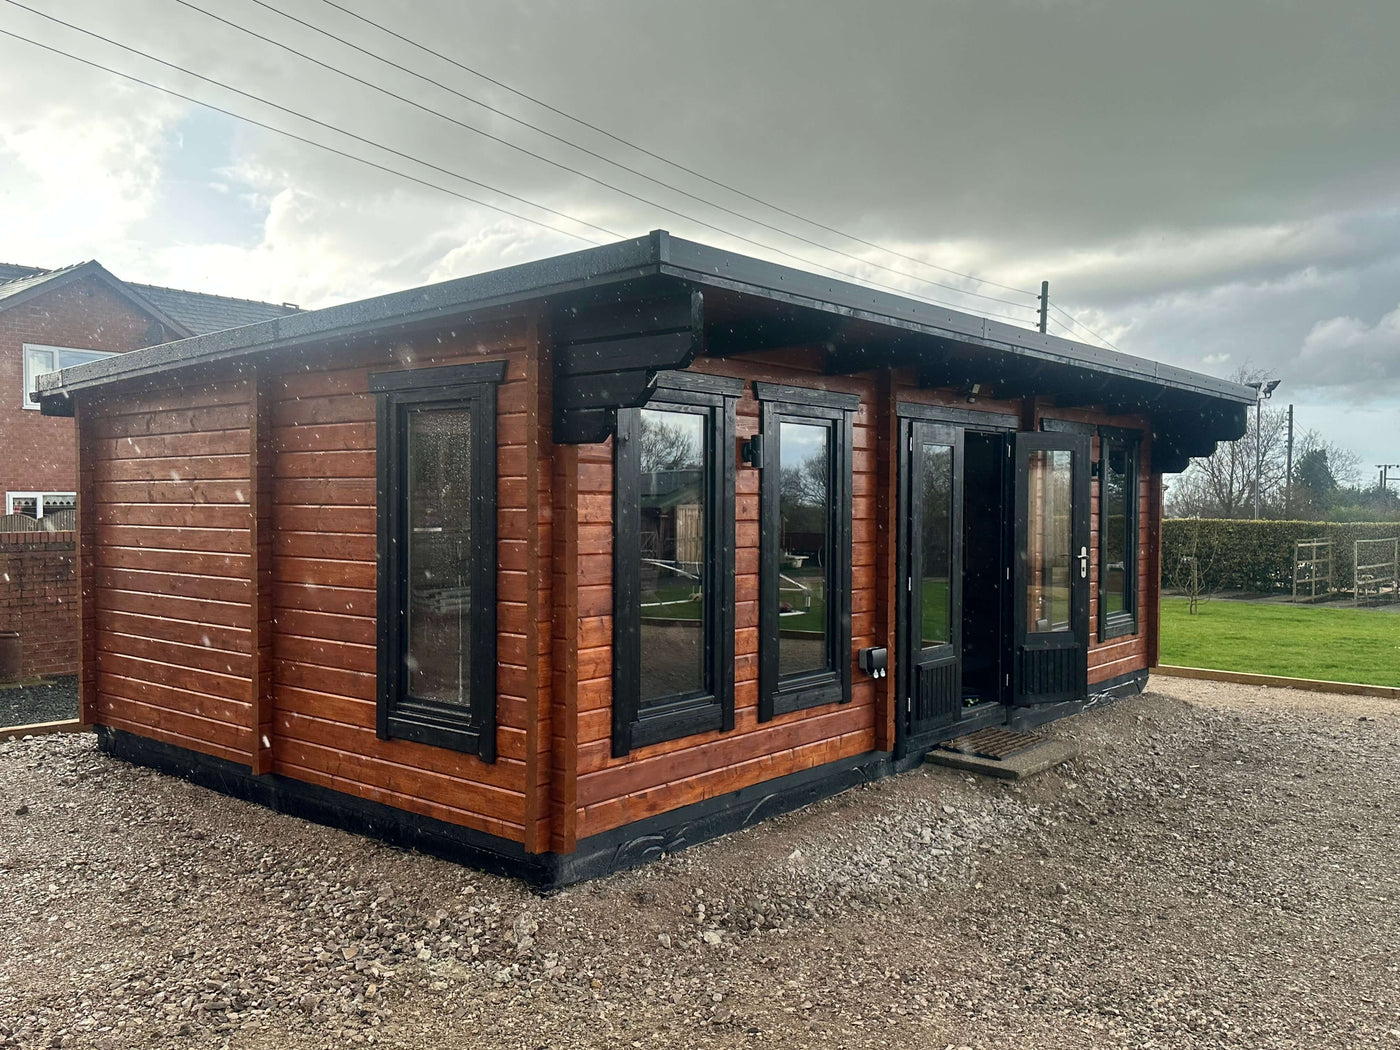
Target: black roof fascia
pixel 656 253
pixel 705 265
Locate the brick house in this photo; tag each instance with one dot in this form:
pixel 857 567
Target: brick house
pixel 54 318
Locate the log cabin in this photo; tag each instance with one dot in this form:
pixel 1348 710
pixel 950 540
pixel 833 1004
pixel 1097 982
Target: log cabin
pixel 565 566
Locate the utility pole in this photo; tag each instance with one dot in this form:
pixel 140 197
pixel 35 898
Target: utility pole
pixel 1288 477
pixel 1044 304
pixel 1385 472
pixel 1262 392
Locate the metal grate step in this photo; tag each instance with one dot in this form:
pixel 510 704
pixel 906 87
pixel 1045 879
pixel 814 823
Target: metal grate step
pixel 994 743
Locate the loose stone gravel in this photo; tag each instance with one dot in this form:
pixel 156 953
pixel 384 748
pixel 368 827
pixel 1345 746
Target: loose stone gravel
pixel 1218 869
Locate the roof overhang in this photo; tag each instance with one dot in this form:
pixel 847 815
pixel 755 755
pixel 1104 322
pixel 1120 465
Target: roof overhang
pixel 860 328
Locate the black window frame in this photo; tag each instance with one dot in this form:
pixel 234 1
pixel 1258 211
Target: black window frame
pixel 1125 623
pixel 400 716
pixel 778 694
pixel 637 724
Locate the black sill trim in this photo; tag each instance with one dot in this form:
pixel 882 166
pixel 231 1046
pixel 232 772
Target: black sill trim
pixel 802 693
pixel 969 416
pixel 701 715
pixel 447 375
pixel 668 383
pixel 801 395
pixel 447 733
pixel 1118 625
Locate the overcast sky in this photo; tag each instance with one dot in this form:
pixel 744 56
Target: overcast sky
pixel 1211 184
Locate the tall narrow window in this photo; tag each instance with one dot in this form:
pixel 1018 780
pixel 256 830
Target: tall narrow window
pixel 805 555
pixel 673 563
pixel 1118 524
pixel 437 555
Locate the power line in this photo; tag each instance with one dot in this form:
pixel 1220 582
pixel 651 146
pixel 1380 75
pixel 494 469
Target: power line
pixel 782 231
pixel 1075 321
pixel 300 138
pixel 675 164
pixel 360 138
pixel 583 174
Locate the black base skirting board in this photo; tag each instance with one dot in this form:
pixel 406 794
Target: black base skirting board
pixel 612 851
pixel 1130 684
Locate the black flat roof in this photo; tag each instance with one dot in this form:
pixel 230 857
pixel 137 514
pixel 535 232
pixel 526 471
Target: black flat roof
pixel 658 253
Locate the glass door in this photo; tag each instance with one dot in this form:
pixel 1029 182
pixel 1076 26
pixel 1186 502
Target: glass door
pixel 1051 586
pixel 931 548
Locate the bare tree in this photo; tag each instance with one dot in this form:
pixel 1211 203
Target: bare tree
pixel 1222 485
pixel 1344 464
pixel 666 446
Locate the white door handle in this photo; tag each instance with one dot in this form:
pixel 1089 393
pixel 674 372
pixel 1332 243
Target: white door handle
pixel 1083 563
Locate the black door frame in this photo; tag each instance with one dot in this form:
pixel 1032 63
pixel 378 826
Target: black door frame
pixel 1051 668
pixel 911 417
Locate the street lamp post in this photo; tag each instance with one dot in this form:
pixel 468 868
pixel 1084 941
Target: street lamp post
pixel 1262 392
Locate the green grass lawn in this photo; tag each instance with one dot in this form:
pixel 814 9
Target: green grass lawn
pixel 1338 645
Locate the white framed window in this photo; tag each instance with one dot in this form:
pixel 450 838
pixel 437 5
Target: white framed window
pixel 37 504
pixel 39 359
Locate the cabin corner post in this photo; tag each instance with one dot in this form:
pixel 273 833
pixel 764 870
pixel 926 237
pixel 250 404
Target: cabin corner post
pixel 887 456
pixel 1152 599
pixel 563 782
pixel 260 530
pixel 86 564
pixel 539 759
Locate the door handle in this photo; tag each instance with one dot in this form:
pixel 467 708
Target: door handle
pixel 1083 563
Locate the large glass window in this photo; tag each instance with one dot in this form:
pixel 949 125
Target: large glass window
pixel 805 548
pixel 673 563
pixel 437 555
pixel 1118 483
pixel 39 360
pixel 1049 540
pixel 936 545
pixel 806 554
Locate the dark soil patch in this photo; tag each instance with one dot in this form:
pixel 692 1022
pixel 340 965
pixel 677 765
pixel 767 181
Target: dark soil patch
pixel 49 701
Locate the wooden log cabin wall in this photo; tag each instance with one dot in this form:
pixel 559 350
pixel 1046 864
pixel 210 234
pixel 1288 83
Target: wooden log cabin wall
pixel 254 536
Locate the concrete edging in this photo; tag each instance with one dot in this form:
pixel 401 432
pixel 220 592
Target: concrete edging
pixel 1389 692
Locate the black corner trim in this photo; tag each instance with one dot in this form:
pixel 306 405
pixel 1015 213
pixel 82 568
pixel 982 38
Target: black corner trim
pixel 801 395
pixel 968 416
pixel 446 375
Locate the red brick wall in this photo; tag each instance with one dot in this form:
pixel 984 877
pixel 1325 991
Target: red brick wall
pixel 39 598
pixel 88 315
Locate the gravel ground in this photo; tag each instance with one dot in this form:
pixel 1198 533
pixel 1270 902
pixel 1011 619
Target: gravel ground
pixel 49 701
pixel 1217 870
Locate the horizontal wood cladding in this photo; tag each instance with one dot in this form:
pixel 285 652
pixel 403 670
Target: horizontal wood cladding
pixel 322 547
pixel 610 792
pixel 169 604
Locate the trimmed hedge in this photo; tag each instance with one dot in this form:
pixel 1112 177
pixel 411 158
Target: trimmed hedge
pixel 1247 555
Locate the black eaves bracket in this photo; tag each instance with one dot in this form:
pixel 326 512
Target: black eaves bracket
pixel 607 356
